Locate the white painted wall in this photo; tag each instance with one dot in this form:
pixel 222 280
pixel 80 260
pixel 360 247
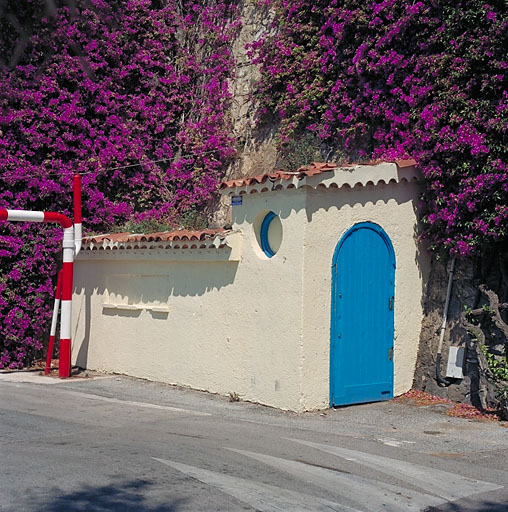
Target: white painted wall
pixel 236 321
pixel 331 214
pixel 230 326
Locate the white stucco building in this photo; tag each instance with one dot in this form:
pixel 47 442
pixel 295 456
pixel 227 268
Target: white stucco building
pixel 313 297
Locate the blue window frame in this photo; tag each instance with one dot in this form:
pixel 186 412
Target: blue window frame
pixel 265 226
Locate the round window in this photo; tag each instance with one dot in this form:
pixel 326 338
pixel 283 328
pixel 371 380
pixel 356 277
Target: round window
pixel 270 234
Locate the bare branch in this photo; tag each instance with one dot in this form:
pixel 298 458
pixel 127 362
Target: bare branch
pixel 480 311
pixel 495 306
pixel 475 331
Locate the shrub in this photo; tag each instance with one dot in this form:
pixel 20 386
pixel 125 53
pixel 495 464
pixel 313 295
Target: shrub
pixel 134 96
pixel 393 79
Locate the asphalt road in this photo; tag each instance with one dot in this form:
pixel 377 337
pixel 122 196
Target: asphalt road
pixel 123 444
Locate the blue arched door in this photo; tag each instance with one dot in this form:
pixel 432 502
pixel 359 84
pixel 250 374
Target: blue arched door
pixel 361 352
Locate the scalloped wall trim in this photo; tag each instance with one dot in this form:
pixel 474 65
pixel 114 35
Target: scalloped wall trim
pixel 207 239
pixel 326 177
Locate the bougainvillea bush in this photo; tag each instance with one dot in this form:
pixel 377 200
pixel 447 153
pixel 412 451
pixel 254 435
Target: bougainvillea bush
pixel 131 94
pixel 134 95
pixel 396 79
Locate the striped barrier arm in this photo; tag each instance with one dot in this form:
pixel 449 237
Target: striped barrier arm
pixel 64 367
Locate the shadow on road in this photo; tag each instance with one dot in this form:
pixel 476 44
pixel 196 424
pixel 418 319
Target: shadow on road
pixel 483 506
pixel 125 496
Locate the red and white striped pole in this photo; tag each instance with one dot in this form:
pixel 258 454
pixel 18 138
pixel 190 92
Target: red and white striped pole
pixel 64 364
pixel 78 234
pixel 64 369
pixel 54 321
pixel 78 229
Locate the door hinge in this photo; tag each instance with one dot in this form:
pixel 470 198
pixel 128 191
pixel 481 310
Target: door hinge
pixel 390 303
pixel 390 354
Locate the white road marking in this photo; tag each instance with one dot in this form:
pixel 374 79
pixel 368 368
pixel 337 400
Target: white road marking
pixel 449 486
pixel 14 378
pixel 267 423
pixel 263 497
pixel 394 442
pixel 145 405
pixel 370 495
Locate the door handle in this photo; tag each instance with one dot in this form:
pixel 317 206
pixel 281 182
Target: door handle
pixel 390 303
pixel 390 354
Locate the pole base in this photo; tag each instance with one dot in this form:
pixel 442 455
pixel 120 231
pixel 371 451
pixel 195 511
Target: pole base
pixel 64 363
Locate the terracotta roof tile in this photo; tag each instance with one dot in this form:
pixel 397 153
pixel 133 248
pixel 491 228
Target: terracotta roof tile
pixel 301 172
pixel 178 239
pixel 281 174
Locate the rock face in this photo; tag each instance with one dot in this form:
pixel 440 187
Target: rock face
pixel 255 146
pixel 478 386
pixel 462 295
pixel 257 153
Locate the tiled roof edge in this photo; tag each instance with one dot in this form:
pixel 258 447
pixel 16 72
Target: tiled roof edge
pixel 282 179
pixel 180 239
pixel 281 174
